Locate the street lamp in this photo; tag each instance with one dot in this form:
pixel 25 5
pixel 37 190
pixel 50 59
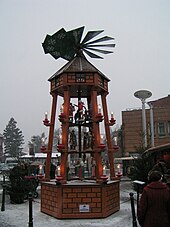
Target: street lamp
pixel 152 124
pixel 143 95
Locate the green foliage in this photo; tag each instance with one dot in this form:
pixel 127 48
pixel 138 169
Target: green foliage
pixel 16 186
pixel 140 169
pixel 19 186
pixel 13 139
pixel 141 166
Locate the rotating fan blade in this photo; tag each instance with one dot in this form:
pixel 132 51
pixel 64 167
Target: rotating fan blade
pixel 48 44
pixel 101 45
pixel 105 38
pixel 60 34
pixel 67 45
pixel 100 51
pixel 56 54
pixel 76 34
pixel 90 35
pixel 91 54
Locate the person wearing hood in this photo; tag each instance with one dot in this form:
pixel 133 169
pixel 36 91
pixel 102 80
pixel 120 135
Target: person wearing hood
pixel 154 204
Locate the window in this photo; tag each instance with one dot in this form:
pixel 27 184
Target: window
pixel 168 127
pixel 80 77
pixel 161 129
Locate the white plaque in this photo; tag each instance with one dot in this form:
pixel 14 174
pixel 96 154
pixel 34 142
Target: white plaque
pixel 84 208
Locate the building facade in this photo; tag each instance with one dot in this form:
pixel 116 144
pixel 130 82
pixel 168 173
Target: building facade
pixel 132 127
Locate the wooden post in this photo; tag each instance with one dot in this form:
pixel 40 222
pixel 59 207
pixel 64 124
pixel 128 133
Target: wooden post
pixel 96 134
pixel 108 136
pixel 65 128
pixel 50 138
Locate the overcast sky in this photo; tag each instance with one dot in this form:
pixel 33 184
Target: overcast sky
pixel 141 58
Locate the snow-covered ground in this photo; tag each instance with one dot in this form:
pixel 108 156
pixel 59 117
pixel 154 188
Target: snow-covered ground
pixel 18 215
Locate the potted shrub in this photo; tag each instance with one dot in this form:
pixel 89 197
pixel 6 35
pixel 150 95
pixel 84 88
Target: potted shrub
pixel 17 187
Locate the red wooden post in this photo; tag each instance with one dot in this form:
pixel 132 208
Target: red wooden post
pixel 108 136
pixel 50 138
pixel 96 134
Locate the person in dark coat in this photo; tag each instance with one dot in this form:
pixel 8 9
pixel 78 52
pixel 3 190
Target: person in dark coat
pixel 154 205
pixel 161 167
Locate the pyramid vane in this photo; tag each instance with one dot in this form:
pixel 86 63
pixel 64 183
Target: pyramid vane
pixel 67 44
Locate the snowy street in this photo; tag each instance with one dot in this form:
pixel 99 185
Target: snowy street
pixel 18 214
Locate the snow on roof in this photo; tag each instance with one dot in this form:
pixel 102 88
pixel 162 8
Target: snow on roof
pixel 40 155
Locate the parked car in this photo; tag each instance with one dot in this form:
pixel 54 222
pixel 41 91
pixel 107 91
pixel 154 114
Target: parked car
pixel 3 167
pixel 12 165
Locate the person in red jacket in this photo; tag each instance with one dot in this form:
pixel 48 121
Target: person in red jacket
pixel 154 205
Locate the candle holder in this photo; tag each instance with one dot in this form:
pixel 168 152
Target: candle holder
pixel 58 179
pixel 46 122
pixel 62 117
pixel 43 148
pixel 119 174
pixel 112 121
pixel 104 178
pixel 102 146
pixel 115 147
pixel 60 146
pixel 99 117
pixel 40 176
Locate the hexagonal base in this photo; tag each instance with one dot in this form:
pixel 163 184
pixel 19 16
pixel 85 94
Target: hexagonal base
pixel 80 199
